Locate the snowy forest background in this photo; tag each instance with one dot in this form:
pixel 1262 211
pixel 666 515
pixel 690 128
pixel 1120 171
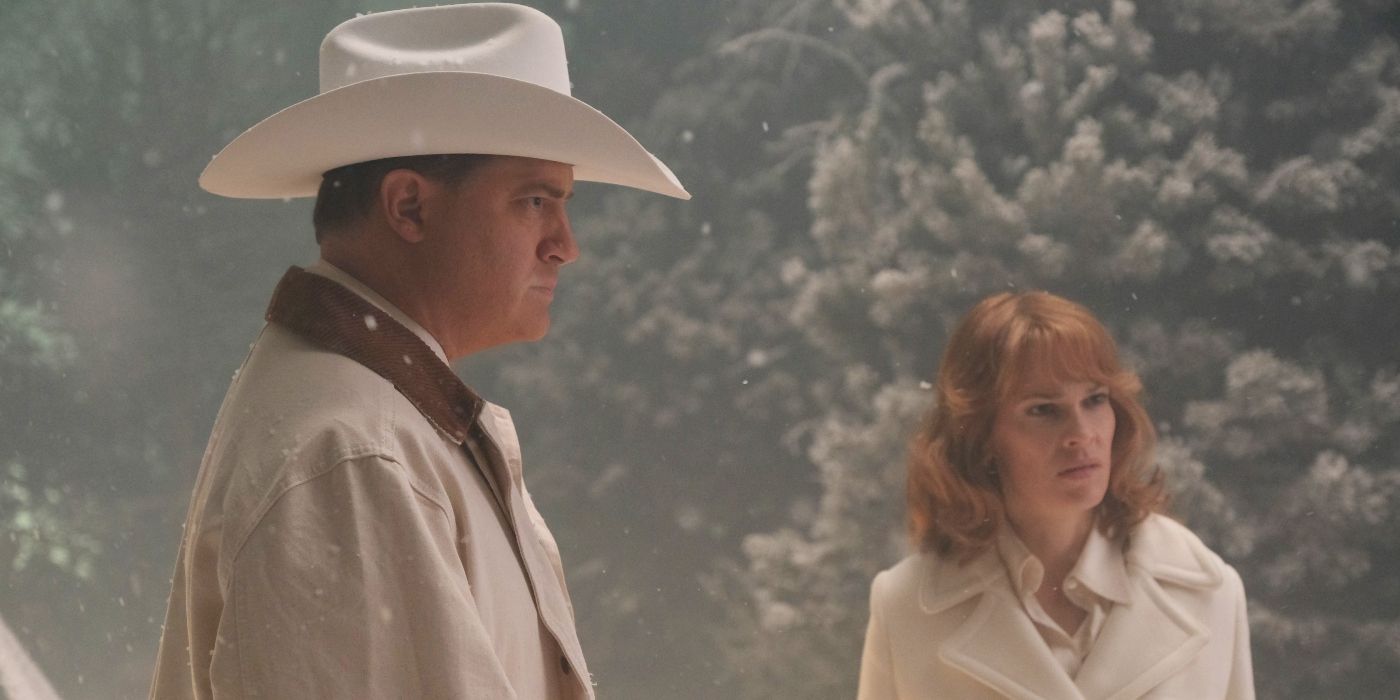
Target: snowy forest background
pixel 715 426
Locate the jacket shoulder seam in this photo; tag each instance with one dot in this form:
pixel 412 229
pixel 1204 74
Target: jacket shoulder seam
pixel 277 495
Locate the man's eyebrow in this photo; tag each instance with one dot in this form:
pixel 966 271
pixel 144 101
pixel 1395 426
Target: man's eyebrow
pixel 548 188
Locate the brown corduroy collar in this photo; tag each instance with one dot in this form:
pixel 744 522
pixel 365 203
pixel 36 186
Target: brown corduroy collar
pixel 343 322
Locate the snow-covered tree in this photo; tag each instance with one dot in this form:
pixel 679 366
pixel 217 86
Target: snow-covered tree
pixel 1217 179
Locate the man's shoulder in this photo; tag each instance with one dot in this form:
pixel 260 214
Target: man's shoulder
pixel 296 409
pixel 296 412
pixel 288 384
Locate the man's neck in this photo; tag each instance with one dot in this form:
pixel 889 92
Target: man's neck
pixel 325 268
pixel 385 274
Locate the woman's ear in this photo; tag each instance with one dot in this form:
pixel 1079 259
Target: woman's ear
pixel 401 195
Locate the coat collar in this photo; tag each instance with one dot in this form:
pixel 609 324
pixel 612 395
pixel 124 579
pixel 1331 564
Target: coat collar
pixel 325 269
pixel 1143 641
pixel 336 318
pixel 1170 553
pixel 944 584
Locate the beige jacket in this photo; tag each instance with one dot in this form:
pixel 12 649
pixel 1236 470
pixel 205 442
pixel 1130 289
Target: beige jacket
pixel 938 630
pixel 362 533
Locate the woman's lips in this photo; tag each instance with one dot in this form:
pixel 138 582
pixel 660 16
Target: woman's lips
pixel 1082 471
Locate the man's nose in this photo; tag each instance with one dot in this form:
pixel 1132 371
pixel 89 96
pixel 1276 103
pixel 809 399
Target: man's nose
pixel 561 248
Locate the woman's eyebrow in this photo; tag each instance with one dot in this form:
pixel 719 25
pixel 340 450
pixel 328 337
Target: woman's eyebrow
pixel 1042 393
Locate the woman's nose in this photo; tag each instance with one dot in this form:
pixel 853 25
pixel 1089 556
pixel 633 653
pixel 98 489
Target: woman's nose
pixel 1076 430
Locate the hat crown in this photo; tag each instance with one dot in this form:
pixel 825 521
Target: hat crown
pixel 506 40
pixel 478 78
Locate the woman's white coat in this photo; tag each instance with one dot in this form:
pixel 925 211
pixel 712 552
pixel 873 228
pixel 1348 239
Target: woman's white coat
pixel 939 630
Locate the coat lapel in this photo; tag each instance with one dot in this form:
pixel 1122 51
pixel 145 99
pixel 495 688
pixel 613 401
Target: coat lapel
pixel 997 644
pixel 1151 638
pixel 1142 644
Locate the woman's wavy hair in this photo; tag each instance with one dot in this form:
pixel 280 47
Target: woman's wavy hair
pixel 954 495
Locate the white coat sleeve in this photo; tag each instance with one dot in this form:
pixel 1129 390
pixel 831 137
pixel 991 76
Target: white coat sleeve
pixel 1241 685
pixel 351 586
pixel 876 661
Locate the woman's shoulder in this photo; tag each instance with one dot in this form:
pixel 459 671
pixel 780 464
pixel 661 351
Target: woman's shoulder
pixel 918 565
pixel 897 588
pixel 1169 551
pixel 908 569
pixel 932 581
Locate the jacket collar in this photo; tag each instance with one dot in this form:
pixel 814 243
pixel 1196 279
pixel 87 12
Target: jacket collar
pixel 998 644
pixel 1170 553
pixel 333 317
pixel 944 584
pixel 1159 546
pixel 331 272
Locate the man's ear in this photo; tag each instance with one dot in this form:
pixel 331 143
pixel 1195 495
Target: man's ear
pixel 401 195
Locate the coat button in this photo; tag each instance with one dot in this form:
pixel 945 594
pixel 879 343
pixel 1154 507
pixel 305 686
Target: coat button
pixel 564 664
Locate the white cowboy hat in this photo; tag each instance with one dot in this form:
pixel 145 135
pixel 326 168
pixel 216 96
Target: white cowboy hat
pixel 488 78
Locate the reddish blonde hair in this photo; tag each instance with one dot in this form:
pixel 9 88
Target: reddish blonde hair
pixel 954 497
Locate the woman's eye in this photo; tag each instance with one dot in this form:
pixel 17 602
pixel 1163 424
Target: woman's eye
pixel 1097 399
pixel 1042 409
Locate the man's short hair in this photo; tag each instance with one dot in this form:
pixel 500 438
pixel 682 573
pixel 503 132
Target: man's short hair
pixel 347 193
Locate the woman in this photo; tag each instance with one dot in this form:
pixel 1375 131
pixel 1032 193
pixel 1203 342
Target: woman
pixel 1045 569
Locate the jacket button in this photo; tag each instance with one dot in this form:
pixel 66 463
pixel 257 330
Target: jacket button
pixel 564 664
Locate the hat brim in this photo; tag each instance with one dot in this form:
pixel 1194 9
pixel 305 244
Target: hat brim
pixel 285 154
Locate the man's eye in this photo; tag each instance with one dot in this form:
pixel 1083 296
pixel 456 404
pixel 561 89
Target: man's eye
pixel 537 202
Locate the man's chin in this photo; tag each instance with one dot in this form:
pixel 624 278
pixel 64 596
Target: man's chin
pixel 538 332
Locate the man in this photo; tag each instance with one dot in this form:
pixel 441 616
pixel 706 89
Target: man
pixel 360 527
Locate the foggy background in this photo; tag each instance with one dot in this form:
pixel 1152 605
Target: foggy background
pixel 715 426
